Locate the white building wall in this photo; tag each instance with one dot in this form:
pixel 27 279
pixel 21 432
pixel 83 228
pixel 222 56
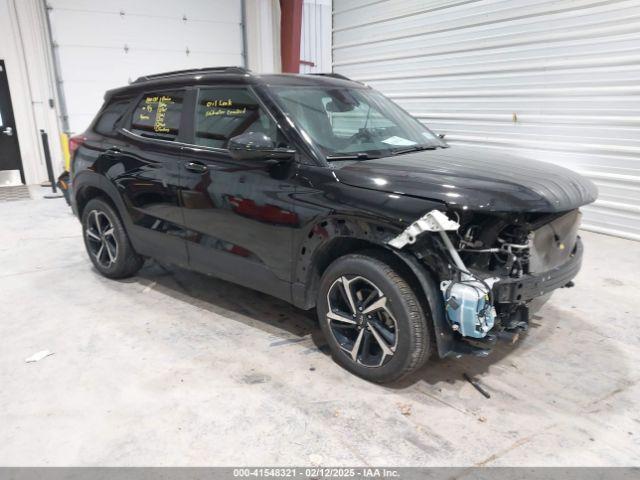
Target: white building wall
pixel 549 80
pixel 262 34
pixel 25 49
pixel 102 45
pixel 315 39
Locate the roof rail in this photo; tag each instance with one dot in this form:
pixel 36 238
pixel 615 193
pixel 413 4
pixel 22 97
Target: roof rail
pixel 240 70
pixel 334 75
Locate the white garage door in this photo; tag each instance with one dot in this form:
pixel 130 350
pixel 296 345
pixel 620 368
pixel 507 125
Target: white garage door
pixel 101 44
pixel 555 81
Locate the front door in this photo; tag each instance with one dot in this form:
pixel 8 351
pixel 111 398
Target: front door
pixel 10 162
pixel 239 212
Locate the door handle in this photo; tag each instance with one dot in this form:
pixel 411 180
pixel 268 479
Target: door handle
pixel 196 167
pixel 8 131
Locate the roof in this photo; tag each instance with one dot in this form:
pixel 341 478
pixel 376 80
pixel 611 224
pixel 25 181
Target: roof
pixel 232 76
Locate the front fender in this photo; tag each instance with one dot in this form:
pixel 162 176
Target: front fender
pixel 338 219
pixel 324 240
pixel 441 329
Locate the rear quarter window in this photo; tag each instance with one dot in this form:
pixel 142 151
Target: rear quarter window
pixel 108 118
pixel 158 115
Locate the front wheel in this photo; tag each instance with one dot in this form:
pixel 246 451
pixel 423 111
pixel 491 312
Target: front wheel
pixel 372 319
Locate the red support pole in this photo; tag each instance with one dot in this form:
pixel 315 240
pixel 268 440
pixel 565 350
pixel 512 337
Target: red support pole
pixel 290 32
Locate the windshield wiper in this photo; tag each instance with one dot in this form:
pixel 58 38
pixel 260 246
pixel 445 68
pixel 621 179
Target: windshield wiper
pixel 414 148
pixel 366 156
pixel 351 156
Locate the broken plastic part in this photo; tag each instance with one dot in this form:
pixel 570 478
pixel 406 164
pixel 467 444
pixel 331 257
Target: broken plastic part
pixel 467 301
pixel 434 221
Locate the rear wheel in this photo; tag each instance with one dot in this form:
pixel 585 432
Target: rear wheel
pixel 372 319
pixel 106 241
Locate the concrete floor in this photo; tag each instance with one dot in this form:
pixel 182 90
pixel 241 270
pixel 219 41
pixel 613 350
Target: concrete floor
pixel 174 368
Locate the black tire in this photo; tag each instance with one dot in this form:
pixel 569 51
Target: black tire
pixel 117 259
pixel 402 319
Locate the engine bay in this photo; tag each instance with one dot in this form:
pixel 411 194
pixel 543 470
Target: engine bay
pixel 515 245
pixel 499 269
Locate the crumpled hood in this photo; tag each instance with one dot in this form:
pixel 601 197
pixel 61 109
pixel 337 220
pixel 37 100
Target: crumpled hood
pixel 480 179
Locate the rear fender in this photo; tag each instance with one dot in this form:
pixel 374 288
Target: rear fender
pixel 88 179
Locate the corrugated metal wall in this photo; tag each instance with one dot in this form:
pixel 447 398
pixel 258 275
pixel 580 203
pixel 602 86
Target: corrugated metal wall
pixel 552 80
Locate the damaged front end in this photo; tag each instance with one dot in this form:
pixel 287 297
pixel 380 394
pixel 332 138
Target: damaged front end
pixel 494 270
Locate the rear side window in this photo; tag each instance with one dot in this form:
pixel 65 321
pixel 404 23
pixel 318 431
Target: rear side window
pixel 157 115
pixel 115 109
pixel 223 113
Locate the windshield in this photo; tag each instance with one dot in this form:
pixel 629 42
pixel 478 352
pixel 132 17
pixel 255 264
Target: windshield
pixel 353 122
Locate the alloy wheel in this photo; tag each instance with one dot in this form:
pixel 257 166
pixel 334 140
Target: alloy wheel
pixel 101 240
pixel 361 322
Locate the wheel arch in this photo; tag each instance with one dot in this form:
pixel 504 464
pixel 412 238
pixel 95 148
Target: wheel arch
pixel 89 185
pixel 87 194
pixel 332 238
pixel 425 282
pixel 323 242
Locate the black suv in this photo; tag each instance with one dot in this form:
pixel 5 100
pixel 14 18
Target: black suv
pixel 321 191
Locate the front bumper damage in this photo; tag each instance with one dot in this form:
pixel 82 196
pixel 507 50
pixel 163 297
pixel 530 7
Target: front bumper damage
pixel 530 286
pixel 507 300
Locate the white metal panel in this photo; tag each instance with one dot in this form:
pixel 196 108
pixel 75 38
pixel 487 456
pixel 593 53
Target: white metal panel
pixel 24 46
pixel 315 39
pixel 554 81
pixel 101 45
pixel 262 35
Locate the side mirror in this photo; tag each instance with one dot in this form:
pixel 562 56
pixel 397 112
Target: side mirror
pixel 257 146
pixel 441 136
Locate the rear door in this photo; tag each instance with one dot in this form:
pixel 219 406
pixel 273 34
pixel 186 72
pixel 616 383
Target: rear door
pixel 239 212
pixel 145 166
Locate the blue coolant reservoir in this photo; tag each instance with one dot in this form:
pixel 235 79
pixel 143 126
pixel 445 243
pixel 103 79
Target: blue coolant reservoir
pixel 467 306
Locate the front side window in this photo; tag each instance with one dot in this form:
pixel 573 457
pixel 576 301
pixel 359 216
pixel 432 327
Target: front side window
pixel 352 121
pixel 157 115
pixel 223 113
